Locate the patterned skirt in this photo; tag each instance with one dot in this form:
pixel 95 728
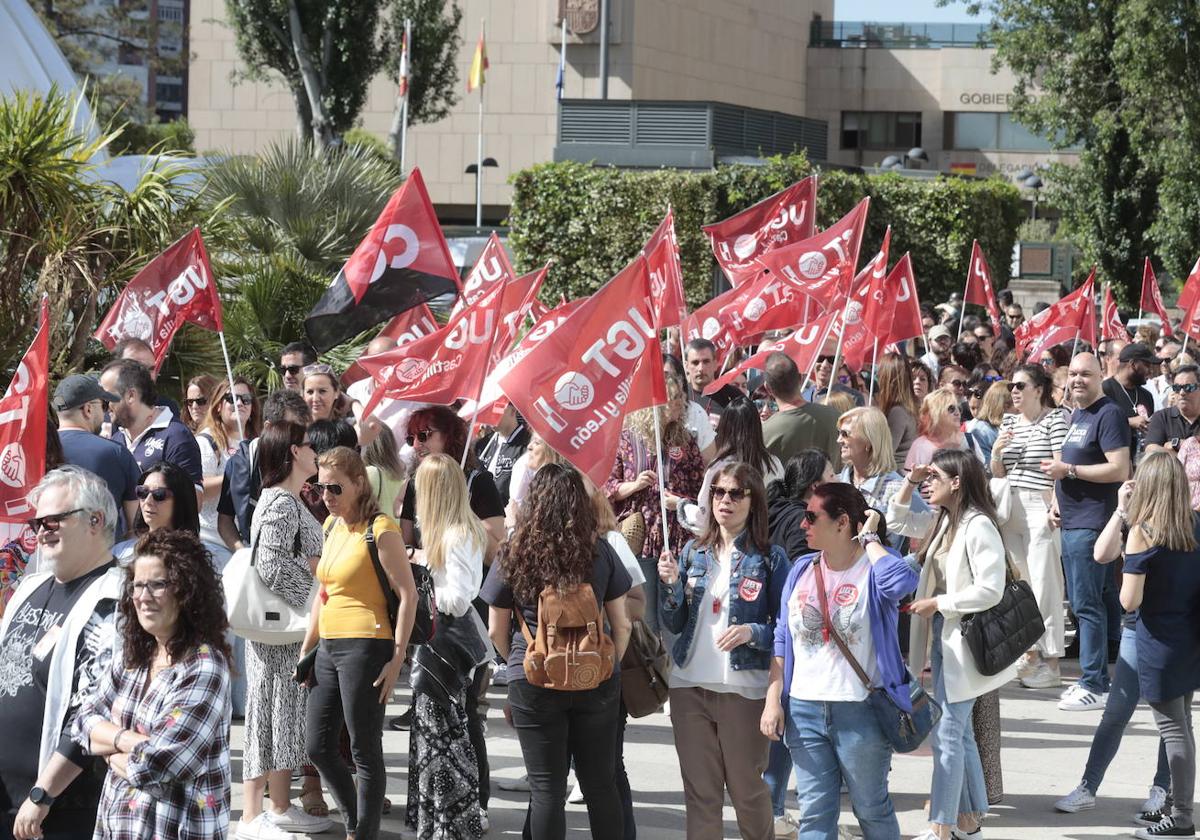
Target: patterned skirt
pixel 443 780
pixel 275 710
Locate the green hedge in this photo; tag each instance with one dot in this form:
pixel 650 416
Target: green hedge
pixel 592 220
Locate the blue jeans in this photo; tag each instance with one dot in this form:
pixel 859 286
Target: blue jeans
pixel 1091 589
pixel 777 775
pixel 1123 698
pixel 835 742
pixel 958 784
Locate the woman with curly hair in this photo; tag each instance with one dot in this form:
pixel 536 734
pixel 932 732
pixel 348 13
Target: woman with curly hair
pixel 556 542
pixel 161 716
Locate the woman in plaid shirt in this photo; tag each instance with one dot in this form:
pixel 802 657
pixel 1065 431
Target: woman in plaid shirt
pixel 161 717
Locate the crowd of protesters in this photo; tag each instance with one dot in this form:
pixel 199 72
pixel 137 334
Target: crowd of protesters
pixel 827 533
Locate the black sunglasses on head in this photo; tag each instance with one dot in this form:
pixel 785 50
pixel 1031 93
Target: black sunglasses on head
pixel 160 494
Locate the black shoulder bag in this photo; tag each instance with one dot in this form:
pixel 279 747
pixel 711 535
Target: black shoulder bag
pixel 998 636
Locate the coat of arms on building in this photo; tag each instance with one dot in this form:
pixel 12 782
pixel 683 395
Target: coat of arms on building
pixel 583 16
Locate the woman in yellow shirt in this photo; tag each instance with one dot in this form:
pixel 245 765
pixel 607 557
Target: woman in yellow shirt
pixel 361 648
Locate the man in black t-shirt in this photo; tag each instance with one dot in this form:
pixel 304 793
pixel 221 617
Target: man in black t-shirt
pixel 1135 363
pixel 1174 424
pixel 56 644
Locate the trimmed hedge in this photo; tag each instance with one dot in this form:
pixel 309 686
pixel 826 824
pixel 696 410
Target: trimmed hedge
pixel 592 220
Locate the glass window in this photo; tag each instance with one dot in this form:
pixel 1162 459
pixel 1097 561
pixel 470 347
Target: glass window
pixel 1013 135
pixel 880 129
pixel 975 131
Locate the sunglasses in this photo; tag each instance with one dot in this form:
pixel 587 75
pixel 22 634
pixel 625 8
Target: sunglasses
pixel 1165 360
pixel 734 495
pixel 290 370
pixel 990 378
pixel 318 368
pixel 154 587
pixel 51 522
pixel 243 399
pixel 810 516
pixel 335 489
pixel 1018 386
pixel 957 383
pixel 1190 388
pixel 825 360
pixel 977 393
pixel 421 436
pixel 196 401
pixel 160 494
pixel 843 434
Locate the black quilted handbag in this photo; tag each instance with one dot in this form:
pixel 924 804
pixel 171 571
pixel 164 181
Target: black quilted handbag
pixel 997 637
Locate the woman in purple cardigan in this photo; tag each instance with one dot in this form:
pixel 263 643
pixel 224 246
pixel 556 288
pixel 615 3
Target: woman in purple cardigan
pixel 852 587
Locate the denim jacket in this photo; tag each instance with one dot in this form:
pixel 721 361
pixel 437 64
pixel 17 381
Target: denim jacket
pixel 755 587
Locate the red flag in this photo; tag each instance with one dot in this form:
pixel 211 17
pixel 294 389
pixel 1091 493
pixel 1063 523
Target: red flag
pixel 979 286
pixel 1072 317
pixel 23 412
pixel 177 286
pixel 1190 325
pixel 901 292
pixel 575 386
pixel 491 268
pixel 403 262
pixel 786 217
pixel 1152 298
pixel 408 326
pixel 520 293
pixel 666 275
pixel 1110 319
pixel 1188 296
pixel 865 311
pixel 803 346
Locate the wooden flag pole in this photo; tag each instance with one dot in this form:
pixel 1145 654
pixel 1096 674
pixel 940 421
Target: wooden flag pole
pixel 662 489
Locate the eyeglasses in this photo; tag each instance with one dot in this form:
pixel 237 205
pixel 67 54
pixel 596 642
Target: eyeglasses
pixel 335 489
pixel 154 587
pixel 243 399
pixel 1165 360
pixel 199 402
pixel 843 434
pixel 734 494
pixel 1017 386
pixel 977 393
pixel 421 436
pixel 954 410
pixel 1190 388
pixel 318 368
pixel 51 521
pixel 290 370
pixel 957 383
pixel 160 494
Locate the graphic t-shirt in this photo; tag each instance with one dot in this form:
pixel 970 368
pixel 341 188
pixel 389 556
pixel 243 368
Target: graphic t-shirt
pixel 1099 428
pixel 821 672
pixel 25 654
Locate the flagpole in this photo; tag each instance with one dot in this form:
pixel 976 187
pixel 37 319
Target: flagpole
pixel 874 365
pixel 662 490
pixel 837 353
pixel 404 104
pixel 229 372
pixel 479 154
pixel 1075 346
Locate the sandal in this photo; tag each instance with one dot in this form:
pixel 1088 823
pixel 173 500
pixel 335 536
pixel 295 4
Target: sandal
pixel 313 802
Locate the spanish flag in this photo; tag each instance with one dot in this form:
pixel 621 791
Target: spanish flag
pixel 479 64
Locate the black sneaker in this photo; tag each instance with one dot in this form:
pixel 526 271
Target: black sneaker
pixel 1166 828
pixel 1150 818
pixel 402 723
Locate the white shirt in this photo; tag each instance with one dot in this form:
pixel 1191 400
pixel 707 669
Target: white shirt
pixel 820 671
pixel 213 464
pixel 1159 389
pixel 621 545
pixel 457 583
pixel 700 425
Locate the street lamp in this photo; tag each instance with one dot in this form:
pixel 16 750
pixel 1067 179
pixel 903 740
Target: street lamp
pixel 473 169
pixel 899 162
pixel 916 153
pixel 1034 183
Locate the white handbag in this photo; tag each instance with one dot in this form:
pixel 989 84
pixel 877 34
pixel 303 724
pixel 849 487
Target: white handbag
pixel 255 611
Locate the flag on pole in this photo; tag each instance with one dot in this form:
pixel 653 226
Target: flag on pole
pixel 560 80
pixel 479 66
pixel 1072 317
pixel 666 274
pixel 788 216
pixel 403 92
pixel 979 287
pixel 1152 298
pixel 901 292
pixel 1190 288
pixel 1110 319
pixel 176 287
pixel 23 411
pixel 865 312
pixel 802 346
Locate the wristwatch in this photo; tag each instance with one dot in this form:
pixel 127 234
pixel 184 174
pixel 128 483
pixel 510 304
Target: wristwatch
pixel 1071 471
pixel 38 796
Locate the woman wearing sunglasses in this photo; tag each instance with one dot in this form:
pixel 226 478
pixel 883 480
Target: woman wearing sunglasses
pixel 218 438
pixel 816 703
pixel 962 572
pixel 989 401
pixel 197 395
pixel 166 500
pixel 720 601
pixel 940 425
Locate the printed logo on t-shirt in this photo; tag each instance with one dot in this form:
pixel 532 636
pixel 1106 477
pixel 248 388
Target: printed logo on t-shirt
pixel 1077 434
pixel 845 595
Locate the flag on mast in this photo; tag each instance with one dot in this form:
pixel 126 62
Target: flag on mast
pixel 561 80
pixel 403 91
pixel 479 65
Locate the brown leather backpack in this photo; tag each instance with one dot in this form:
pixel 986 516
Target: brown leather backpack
pixel 571 651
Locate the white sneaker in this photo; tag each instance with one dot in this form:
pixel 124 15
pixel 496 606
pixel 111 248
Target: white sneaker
pixel 1027 664
pixel 785 827
pixel 576 795
pixel 1156 800
pixel 1078 699
pixel 519 784
pixel 298 821
pixel 1042 676
pixel 1080 799
pixel 260 828
pixel 957 833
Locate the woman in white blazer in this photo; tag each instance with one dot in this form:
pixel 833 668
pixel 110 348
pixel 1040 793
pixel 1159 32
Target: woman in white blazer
pixel 962 572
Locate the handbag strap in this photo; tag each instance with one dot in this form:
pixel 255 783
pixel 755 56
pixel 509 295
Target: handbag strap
pixel 828 626
pixel 373 550
pixel 254 543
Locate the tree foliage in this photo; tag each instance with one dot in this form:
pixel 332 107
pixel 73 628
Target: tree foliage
pixel 592 220
pixel 433 59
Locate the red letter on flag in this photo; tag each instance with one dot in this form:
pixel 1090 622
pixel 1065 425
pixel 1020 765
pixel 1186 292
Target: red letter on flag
pixel 23 426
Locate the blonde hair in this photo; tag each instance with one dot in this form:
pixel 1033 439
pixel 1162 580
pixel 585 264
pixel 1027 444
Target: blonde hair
pixel 1162 502
pixel 345 460
pixel 606 517
pixel 444 509
pixel 674 432
pixel 934 405
pixel 996 402
pixel 872 426
pixel 840 401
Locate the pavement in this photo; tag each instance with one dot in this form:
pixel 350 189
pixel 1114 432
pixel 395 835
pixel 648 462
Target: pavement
pixel 1043 754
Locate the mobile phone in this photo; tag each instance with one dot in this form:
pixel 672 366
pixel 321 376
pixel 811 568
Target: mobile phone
pixel 1175 443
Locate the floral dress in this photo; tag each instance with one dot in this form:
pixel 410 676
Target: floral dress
pixel 178 785
pixel 683 476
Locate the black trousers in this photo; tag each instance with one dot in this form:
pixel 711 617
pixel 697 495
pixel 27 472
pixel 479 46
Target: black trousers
pixel 477 710
pixel 555 727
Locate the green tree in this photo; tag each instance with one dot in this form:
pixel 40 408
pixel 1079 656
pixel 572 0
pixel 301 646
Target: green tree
pixel 433 59
pixel 327 52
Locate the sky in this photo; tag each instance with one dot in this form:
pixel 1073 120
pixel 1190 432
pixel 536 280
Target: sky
pixel 913 11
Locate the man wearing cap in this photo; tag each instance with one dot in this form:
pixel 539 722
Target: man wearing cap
pixel 80 403
pixel 1134 365
pixel 940 344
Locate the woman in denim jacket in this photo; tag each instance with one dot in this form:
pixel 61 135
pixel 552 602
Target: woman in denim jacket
pixel 719 601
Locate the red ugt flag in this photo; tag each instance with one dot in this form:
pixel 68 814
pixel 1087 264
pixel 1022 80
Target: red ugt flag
pixel 403 262
pixel 1152 298
pixel 901 293
pixel 406 327
pixel 23 426
pixel 177 286
pixel 1190 289
pixel 1110 319
pixel 666 274
pixel 979 286
pixel 865 310
pixel 576 385
pixel 786 217
pixel 1073 316
pixel 803 346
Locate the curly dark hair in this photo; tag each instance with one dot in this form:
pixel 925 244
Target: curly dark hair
pixel 555 538
pixel 186 513
pixel 197 589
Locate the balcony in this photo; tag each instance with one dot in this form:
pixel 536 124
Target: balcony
pixel 857 34
pixel 688 135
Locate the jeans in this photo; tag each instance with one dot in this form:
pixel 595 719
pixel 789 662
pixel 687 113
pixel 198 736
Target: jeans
pixel 237 680
pixel 344 671
pixel 777 775
pixel 623 789
pixel 555 726
pixel 832 743
pixel 1174 719
pixel 958 783
pixel 1123 697
pixel 1091 589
